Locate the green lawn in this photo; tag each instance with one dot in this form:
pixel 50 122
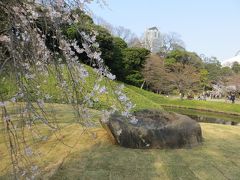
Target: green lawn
pixel 218 158
pixel 97 158
pixel 224 107
pixel 74 153
pixel 142 98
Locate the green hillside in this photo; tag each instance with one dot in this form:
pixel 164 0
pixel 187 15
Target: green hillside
pixel 142 98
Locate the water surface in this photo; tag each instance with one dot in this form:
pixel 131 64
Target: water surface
pixel 205 116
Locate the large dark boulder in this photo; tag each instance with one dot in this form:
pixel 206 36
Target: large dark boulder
pixel 154 129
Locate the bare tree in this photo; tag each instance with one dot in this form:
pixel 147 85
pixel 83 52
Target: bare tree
pixel 234 81
pixel 155 75
pixel 119 31
pixel 102 22
pixel 123 33
pixel 135 42
pixel 184 77
pixel 171 41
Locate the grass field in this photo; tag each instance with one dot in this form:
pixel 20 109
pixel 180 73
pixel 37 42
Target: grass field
pixel 217 158
pixel 139 96
pixel 97 158
pixel 76 153
pixel 224 107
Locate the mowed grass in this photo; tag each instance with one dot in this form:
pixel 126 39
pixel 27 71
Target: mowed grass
pixel 94 156
pixel 217 158
pixel 76 153
pixel 142 98
pixel 224 107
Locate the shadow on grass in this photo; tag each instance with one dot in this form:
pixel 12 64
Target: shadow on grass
pixel 108 162
pixel 217 158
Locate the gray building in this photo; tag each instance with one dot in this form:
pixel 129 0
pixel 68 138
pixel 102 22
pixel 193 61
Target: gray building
pixel 152 39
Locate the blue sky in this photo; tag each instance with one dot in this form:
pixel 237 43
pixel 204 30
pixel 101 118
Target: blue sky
pixel 211 27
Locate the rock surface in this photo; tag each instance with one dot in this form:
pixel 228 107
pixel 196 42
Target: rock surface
pixel 154 129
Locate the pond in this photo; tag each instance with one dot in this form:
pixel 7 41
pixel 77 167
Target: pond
pixel 207 117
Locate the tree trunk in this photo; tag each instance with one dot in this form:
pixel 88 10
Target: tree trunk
pixel 143 84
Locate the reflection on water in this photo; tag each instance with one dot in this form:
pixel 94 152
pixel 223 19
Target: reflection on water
pixel 212 120
pixel 207 117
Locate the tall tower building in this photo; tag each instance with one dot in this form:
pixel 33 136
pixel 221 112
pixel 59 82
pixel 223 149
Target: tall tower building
pixel 152 39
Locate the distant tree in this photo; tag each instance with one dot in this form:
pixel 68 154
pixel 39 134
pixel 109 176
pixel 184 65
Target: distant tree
pixel 134 60
pixel 122 32
pixel 227 71
pixel 126 34
pixel 102 22
pixel 234 80
pixel 183 77
pixel 236 67
pixel 162 77
pixel 184 57
pixel 204 81
pixel 119 42
pixel 116 65
pixel 105 40
pixel 214 67
pixel 170 42
pixel 135 42
pixel 155 75
pixel 134 78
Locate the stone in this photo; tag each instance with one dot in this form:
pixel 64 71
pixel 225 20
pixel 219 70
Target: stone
pixel 154 129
